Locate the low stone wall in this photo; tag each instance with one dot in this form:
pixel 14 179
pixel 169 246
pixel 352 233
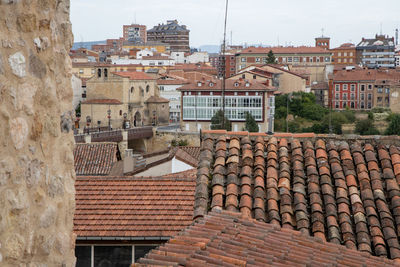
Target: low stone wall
pixel 162 140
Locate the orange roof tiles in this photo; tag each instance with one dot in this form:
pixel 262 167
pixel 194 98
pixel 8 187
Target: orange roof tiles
pixel 285 50
pixel 231 85
pixel 230 239
pixel 134 75
pixel 95 158
pixel 366 75
pixel 133 207
pixel 340 191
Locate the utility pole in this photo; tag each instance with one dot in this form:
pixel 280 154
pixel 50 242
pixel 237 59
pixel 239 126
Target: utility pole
pixel 223 65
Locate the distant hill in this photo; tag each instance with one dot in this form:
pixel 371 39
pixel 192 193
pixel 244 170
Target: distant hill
pixel 210 48
pixel 87 45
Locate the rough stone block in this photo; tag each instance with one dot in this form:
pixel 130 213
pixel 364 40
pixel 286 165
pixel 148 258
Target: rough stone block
pixel 18 64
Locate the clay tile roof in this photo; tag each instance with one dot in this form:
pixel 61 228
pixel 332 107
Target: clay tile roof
pixel 189 155
pixel 134 75
pixel 95 158
pixel 229 239
pixel 338 190
pixel 156 99
pixel 153 207
pixel 103 101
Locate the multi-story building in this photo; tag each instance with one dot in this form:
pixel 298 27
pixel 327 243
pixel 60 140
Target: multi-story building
pixel 201 99
pixel 364 89
pixel 112 98
pixel 312 60
pixel 397 57
pixel 135 33
pixel 377 52
pixel 344 54
pixel 228 66
pixel 173 34
pixel 168 85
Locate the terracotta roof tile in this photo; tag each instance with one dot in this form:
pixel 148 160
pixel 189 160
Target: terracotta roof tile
pixel 133 207
pixel 340 191
pixel 95 158
pixel 229 239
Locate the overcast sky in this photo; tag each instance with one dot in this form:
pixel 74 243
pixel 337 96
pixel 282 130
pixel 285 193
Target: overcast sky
pixel 292 22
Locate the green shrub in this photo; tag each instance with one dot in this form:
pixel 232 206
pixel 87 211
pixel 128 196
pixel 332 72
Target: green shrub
pixel 366 127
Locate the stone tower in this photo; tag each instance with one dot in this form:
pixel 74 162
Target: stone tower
pixel 36 160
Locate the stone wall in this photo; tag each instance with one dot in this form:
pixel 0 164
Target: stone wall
pixel 36 160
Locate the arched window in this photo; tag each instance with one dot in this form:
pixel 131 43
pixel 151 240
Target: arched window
pixel 132 90
pixel 147 88
pixel 142 92
pixel 105 73
pixel 120 112
pixel 99 73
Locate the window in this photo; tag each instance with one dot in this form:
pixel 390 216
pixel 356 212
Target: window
pixel 132 90
pixel 296 59
pixel 289 59
pixel 147 88
pixel 344 105
pixel 345 96
pixel 351 54
pixel 362 105
pixel 369 86
pixel 161 88
pixel 352 105
pixel 380 90
pixel 387 90
pixel 362 96
pixel 369 105
pixel 254 77
pixel 339 54
pixel 258 59
pixel 353 87
pixel 352 96
pixel 379 99
pixel 345 54
pixel 350 60
pixel 336 104
pixel 336 96
pixel 109 255
pixel 98 73
pixel 80 71
pixel 344 86
pixel 327 59
pixel 105 73
pixel 362 87
pixel 337 87
pixel 340 60
pixel 369 96
pixel 83 256
pixel 243 59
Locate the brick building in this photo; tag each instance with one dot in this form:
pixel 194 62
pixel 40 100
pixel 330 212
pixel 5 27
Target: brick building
pixel 323 42
pixel 364 89
pixel 177 36
pixel 344 54
pixel 135 33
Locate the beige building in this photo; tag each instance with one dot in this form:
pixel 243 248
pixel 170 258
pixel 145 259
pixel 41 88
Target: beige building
pixel 284 80
pixel 117 97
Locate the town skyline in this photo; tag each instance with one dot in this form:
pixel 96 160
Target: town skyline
pixel 294 30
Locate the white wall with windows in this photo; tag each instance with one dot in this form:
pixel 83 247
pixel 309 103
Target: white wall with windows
pixel 197 107
pixel 169 92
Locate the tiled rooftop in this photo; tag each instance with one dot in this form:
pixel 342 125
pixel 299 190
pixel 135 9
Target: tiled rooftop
pixel 95 158
pixel 141 208
pixel 229 239
pixel 344 192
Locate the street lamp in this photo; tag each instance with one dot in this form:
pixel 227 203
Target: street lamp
pixel 109 119
pixel 125 122
pixel 88 121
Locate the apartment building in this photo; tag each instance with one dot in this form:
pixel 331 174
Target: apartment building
pixel 171 33
pixel 377 52
pixel 135 33
pixel 364 89
pixel 201 99
pixel 344 54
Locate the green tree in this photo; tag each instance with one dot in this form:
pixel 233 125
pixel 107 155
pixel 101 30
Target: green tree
pixel 216 121
pixel 394 125
pixel 271 58
pixel 366 127
pixel 251 124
